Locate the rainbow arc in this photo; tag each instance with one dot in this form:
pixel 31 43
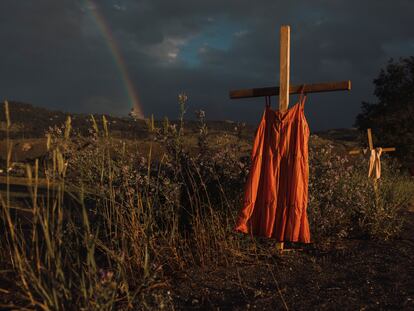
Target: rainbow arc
pixel 120 64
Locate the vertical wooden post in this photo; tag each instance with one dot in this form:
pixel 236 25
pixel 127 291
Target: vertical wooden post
pixel 284 68
pixel 370 143
pixel 284 78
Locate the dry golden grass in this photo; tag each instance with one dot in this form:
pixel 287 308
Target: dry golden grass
pixel 157 207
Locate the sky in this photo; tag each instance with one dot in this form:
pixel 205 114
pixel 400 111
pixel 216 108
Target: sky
pixel 105 56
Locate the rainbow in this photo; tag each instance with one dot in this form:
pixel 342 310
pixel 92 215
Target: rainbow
pixel 137 110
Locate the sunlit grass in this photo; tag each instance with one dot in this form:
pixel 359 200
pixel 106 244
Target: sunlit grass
pixel 114 223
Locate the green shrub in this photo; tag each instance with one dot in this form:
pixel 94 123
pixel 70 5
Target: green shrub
pixel 343 201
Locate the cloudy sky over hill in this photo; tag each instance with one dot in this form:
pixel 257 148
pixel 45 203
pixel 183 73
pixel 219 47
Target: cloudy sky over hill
pixel 104 56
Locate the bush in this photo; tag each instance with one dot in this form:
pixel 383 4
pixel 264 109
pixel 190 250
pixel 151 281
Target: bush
pixel 343 201
pixel 139 218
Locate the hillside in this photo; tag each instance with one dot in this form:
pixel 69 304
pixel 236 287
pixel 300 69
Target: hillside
pixel 29 124
pixel 29 121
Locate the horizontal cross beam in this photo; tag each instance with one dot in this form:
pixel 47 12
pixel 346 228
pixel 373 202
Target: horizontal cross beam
pixel 371 145
pixel 383 150
pixel 293 89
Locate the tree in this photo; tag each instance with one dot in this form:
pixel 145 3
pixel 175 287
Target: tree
pixel 392 117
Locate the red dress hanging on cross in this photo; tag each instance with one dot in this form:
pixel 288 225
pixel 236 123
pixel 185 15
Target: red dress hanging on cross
pixel 276 192
pixel 277 189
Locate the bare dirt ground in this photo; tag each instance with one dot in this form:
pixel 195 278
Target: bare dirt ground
pixel 328 275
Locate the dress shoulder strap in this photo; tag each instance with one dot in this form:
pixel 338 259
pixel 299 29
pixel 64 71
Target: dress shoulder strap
pixel 302 96
pixel 268 101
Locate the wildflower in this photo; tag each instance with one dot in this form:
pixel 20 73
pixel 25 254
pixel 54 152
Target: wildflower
pixel 182 97
pixel 105 276
pixel 201 114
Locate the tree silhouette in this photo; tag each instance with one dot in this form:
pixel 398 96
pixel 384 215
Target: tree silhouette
pixel 392 117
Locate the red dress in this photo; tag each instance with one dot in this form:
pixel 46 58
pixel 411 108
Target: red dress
pixel 276 192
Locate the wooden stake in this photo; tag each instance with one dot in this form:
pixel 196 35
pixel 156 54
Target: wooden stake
pixel 280 246
pixel 370 143
pixel 284 68
pixel 371 147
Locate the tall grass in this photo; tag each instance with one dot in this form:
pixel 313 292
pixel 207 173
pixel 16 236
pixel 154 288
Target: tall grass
pixel 113 225
pixel 109 228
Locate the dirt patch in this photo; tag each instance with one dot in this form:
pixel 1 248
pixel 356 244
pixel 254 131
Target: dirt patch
pixel 345 274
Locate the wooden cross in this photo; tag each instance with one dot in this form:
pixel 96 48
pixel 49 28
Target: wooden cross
pixel 285 88
pixel 371 149
pixel 371 146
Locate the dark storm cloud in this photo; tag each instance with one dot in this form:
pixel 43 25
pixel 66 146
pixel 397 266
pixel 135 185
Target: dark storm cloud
pixel 54 55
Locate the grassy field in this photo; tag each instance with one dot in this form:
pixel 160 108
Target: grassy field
pixel 146 223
